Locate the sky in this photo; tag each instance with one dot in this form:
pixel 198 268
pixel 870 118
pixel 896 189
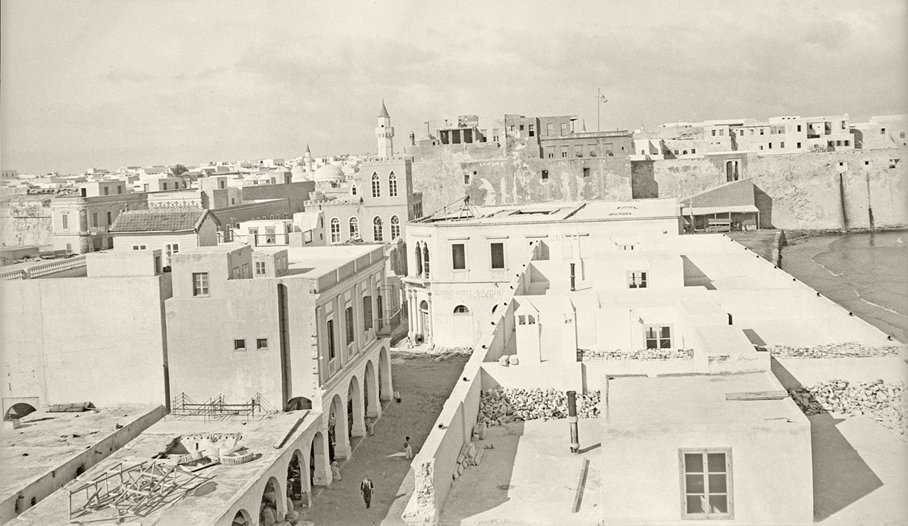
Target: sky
pixel 110 83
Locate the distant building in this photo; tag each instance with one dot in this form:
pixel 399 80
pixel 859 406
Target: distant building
pixel 170 230
pixel 884 131
pixel 81 222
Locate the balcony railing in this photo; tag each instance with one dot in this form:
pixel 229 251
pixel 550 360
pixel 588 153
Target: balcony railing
pixel 51 267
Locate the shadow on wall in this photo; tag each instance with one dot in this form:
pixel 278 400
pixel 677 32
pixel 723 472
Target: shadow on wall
pixel 694 277
pixel 643 180
pixel 840 475
pixel 487 486
pixel 764 204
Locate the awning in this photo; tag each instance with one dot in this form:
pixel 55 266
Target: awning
pixel 709 210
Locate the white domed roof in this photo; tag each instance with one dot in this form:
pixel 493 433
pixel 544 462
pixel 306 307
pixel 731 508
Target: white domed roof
pixel 328 173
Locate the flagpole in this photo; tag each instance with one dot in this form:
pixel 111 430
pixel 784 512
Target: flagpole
pixel 598 105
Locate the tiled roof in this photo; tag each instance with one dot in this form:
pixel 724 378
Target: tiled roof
pixel 159 220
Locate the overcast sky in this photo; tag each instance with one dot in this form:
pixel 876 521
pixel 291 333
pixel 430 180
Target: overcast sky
pixel 112 83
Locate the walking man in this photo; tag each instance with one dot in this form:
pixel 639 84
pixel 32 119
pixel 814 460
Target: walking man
pixel 366 488
pixel 408 450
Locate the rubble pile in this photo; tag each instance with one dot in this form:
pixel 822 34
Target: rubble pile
pixel 878 400
pixel 640 354
pixel 470 455
pixel 502 405
pixel 835 350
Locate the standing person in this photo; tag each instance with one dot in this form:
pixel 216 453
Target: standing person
pixel 366 487
pixel 408 450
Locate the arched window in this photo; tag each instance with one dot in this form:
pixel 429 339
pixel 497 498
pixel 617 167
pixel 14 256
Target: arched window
pixel 425 261
pixel 376 186
pixel 377 228
pixel 335 230
pixel 395 227
pixel 461 309
pixel 392 185
pixel 354 228
pixel 418 260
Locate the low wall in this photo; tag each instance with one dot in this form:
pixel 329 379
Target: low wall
pixel 434 465
pixel 810 371
pixel 54 479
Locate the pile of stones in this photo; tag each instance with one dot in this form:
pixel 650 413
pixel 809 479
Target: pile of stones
pixel 640 354
pixel 883 402
pixel 503 405
pixel 835 350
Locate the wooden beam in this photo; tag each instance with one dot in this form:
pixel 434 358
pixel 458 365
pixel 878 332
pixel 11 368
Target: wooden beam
pixel 778 394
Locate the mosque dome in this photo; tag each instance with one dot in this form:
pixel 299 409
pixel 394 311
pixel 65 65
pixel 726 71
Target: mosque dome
pixel 328 174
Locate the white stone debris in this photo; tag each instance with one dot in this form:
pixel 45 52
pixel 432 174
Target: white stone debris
pixel 503 405
pixel 883 402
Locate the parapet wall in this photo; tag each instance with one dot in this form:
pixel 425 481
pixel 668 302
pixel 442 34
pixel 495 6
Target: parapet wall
pixel 810 191
pixel 434 465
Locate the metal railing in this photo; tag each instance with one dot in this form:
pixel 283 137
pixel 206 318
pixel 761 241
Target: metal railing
pixel 217 406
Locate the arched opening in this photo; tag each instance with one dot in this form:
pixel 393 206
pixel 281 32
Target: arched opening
pixel 273 506
pixel 463 325
pixel 335 230
pixel 376 185
pixel 318 464
pixel 425 261
pixel 356 424
pixel 18 411
pixel 371 392
pixel 384 375
pixel 425 321
pixel 377 230
pixel 419 260
pixel 338 437
pixel 395 227
pixel 461 310
pixel 354 228
pixel 298 481
pixel 392 185
pixel 242 518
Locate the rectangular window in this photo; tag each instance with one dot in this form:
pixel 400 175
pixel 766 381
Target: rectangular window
pixel 169 250
pixel 658 337
pixel 261 343
pixel 497 250
pixel 713 133
pixel 586 171
pixel 199 283
pixel 706 483
pixel 65 221
pixel 521 127
pixel 782 145
pixel 119 189
pixel 532 130
pixel 367 313
pixel 636 280
pixel 259 268
pixel 564 152
pixel 799 127
pixel 348 319
pixel 94 219
pixel 564 128
pixel 106 190
pixel 545 175
pixel 239 345
pixel 332 353
pixel 799 145
pixel 165 186
pixel 109 218
pixel 458 257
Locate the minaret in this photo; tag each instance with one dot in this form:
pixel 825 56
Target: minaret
pixel 308 159
pixel 384 133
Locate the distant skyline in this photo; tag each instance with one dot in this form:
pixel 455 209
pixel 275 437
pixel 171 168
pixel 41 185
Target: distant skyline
pixel 109 83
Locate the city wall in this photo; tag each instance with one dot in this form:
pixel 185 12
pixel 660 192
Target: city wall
pixel 26 221
pixel 810 191
pixel 516 180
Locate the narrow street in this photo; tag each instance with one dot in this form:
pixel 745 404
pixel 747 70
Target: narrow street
pixel 424 385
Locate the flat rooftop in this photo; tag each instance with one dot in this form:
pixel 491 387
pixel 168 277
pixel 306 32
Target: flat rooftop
pixel 47 441
pixel 204 507
pixel 318 261
pixel 578 211
pixel 696 400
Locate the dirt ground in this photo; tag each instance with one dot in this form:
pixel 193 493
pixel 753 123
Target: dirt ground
pixel 424 386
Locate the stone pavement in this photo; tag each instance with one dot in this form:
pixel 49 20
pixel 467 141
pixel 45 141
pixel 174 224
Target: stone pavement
pixel 424 386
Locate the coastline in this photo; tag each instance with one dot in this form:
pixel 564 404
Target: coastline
pixel 866 273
